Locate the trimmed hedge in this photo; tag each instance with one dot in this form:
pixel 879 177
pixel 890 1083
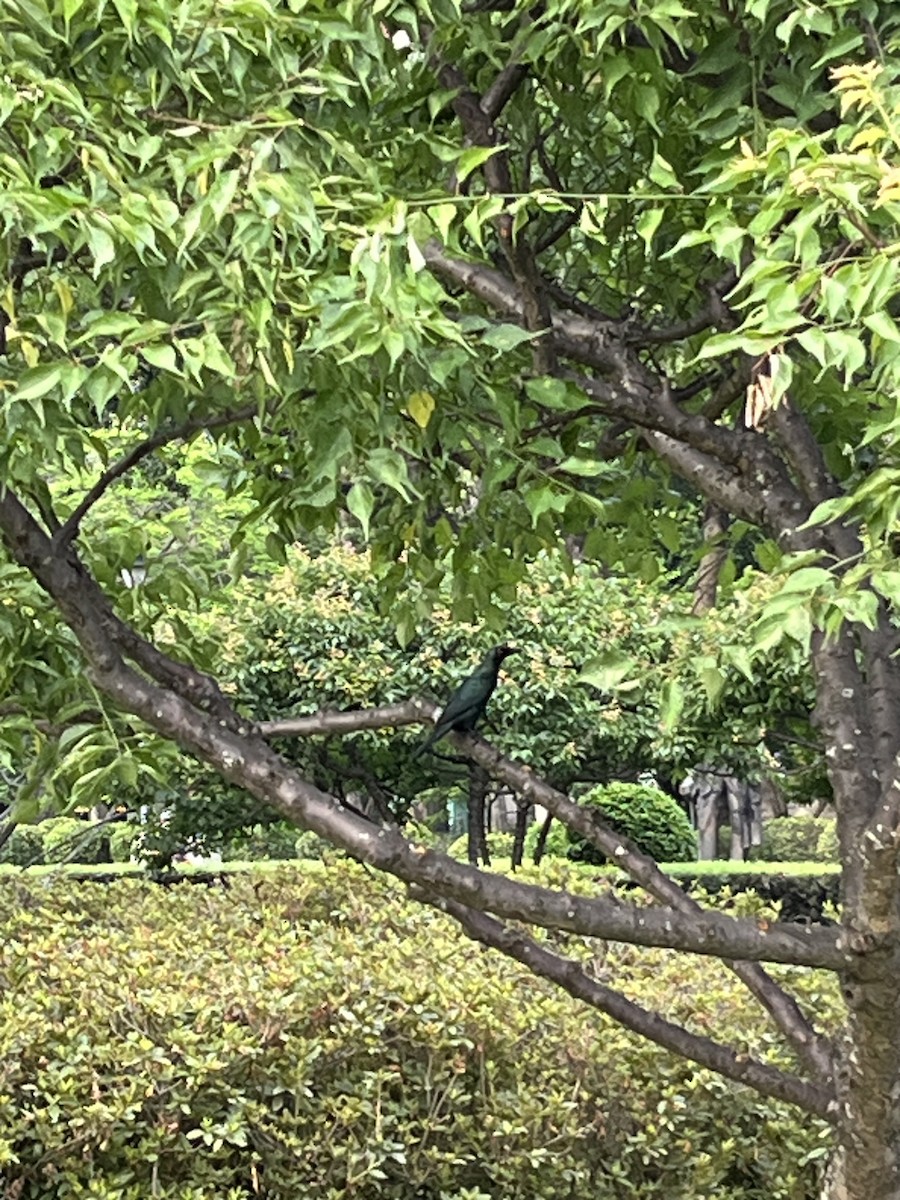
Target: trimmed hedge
pixel 69 839
pixel 799 897
pixel 25 847
pixel 802 838
pixel 313 1033
pixel 275 841
pixel 500 847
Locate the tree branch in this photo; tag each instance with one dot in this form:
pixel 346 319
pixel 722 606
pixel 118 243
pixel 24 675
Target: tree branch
pixel 785 1012
pixel 620 922
pixel 327 721
pixel 503 88
pixel 757 483
pixel 69 529
pixel 773 504
pixel 569 975
pixel 83 605
pixel 477 116
pixel 241 756
pixel 714 314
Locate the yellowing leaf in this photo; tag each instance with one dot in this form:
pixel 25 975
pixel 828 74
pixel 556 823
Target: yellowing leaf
pixel 66 299
pixel 266 369
pixel 420 407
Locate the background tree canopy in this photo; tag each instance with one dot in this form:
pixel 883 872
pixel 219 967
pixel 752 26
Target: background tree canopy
pixel 473 284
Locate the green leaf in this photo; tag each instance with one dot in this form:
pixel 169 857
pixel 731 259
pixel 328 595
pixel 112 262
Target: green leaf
pixel 807 579
pixel 275 547
pixel 553 393
pixel 671 704
pixel 542 499
pixel 472 158
pixel 607 670
pixel 506 337
pixel 161 355
pixel 739 657
pixel 361 502
pixel 661 172
pixel 887 582
pixel 73 734
pixel 127 10
pixel 38 381
pixel 648 223
pixel 883 324
pixel 420 407
pixel 586 467
pixel 713 680
pixel 102 247
pixel 443 216
pixel 389 467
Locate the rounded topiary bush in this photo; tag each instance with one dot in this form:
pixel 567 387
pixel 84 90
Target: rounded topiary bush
pixel 25 847
pixel 644 814
pixel 68 839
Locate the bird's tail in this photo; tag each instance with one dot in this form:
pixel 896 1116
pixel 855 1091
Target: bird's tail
pixel 426 745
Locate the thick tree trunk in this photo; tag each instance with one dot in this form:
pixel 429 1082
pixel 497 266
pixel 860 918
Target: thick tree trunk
pixel 866 1164
pixel 855 711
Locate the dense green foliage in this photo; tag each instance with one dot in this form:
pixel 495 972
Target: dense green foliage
pixel 274 841
pixel 469 285
pixel 292 1044
pixel 68 839
pixel 650 818
pixel 802 838
pixel 25 847
pixel 170 171
pixel 581 700
pixel 58 840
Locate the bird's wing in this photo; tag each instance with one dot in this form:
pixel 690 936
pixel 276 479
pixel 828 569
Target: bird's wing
pixel 466 703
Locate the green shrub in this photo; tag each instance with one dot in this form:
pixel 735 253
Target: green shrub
pixel 309 845
pixel 25 847
pixel 122 838
pixel 275 841
pixel 828 847
pixel 317 1034
pixel 68 839
pixel 500 847
pixel 802 838
pixel 556 845
pixel 645 814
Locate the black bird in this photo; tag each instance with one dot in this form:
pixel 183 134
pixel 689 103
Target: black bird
pixel 466 706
